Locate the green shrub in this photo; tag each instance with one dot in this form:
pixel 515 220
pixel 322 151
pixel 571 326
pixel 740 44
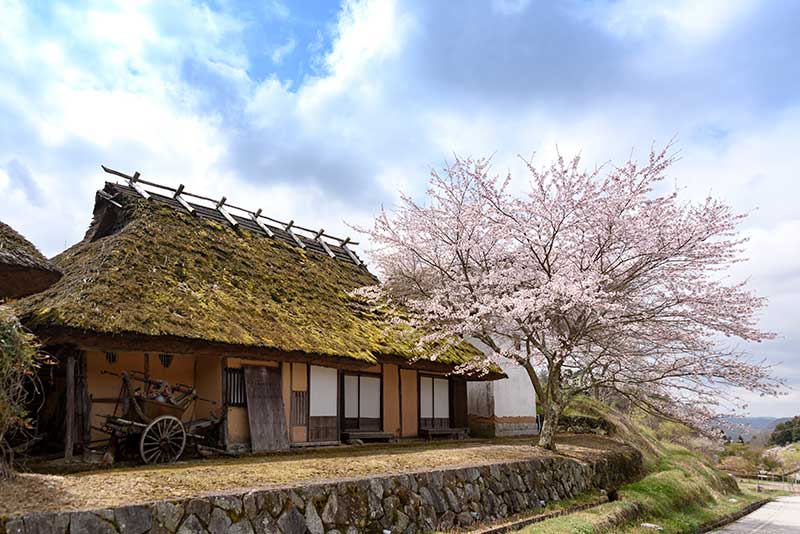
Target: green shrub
pixel 19 360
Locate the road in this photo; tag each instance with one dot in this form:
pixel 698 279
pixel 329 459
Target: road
pixel 781 516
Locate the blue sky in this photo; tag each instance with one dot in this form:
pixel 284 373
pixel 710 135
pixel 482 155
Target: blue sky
pixel 322 111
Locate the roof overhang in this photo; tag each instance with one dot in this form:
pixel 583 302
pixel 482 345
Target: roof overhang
pixel 18 281
pixel 87 340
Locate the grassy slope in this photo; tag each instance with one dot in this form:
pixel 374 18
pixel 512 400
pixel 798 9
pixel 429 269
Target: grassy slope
pixel 680 493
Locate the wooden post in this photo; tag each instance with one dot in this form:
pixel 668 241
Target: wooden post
pixel 70 415
pixel 224 404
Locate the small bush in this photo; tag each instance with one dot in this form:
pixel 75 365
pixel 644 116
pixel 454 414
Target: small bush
pixel 19 360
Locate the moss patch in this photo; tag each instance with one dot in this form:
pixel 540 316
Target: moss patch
pixel 157 271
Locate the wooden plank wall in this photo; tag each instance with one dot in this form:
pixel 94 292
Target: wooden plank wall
pixel 265 411
pixel 458 403
pixel 410 402
pixel 391 399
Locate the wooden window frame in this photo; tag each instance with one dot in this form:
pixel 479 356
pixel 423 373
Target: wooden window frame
pixel 311 435
pixel 420 375
pixel 359 374
pixel 233 387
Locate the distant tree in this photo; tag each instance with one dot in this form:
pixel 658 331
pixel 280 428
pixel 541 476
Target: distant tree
pixel 786 432
pixel 589 277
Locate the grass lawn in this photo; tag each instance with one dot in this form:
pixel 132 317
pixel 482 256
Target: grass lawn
pixel 112 487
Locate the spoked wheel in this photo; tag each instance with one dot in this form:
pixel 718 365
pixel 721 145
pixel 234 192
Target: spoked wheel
pixel 163 440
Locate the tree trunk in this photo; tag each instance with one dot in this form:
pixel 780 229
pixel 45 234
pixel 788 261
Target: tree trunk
pixel 6 459
pixel 5 469
pixel 547 437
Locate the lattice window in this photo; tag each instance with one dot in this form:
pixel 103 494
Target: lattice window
pixel 299 408
pixel 111 357
pixel 234 387
pixel 166 360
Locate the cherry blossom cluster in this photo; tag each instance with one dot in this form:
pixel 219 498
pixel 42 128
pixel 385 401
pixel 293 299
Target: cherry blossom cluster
pixel 588 278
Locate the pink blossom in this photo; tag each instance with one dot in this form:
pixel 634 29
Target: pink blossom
pixel 590 280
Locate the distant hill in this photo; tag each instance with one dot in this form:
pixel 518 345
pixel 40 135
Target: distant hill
pixel 749 427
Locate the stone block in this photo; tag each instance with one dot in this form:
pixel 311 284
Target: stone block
pixel 46 523
pixel 229 503
pixel 133 519
pixel 313 521
pixel 201 508
pixel 292 522
pixel 192 525
pixel 220 521
pixel 168 515
pixel 90 522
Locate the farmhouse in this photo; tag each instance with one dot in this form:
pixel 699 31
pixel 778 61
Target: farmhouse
pixel 255 315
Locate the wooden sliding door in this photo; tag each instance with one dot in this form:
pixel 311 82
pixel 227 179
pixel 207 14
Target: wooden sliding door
pixel 363 401
pixel 434 402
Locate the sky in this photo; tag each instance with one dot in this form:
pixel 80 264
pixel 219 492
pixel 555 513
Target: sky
pixel 322 112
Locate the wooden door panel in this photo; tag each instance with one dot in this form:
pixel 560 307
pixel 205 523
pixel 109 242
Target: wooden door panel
pixel 265 410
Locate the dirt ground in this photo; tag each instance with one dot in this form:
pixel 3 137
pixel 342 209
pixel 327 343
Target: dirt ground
pixel 112 487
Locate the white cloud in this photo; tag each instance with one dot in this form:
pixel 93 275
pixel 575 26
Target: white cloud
pixel 688 18
pixel 280 52
pixel 166 88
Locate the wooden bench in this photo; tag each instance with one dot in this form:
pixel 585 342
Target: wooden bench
pixel 451 433
pixel 365 435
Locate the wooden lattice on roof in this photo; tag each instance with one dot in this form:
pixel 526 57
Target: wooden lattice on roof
pixel 222 211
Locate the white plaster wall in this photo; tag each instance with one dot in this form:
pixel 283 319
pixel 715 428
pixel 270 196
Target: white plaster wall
pixel 514 396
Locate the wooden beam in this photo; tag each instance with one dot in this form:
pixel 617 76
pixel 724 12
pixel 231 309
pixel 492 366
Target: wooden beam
pixel 182 201
pixel 224 212
pixel 351 253
pixel 223 364
pixel 109 198
pixel 70 408
pixel 318 239
pixel 255 216
pixel 297 240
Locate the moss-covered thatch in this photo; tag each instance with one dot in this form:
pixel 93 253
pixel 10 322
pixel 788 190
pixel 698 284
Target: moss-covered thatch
pixel 149 269
pixel 23 269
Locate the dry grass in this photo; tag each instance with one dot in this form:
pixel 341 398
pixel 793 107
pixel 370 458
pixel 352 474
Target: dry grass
pixel 113 487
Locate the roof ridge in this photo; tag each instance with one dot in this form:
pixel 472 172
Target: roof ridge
pixel 316 240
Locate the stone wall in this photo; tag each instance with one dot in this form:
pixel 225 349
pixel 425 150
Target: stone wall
pixel 585 424
pixel 415 502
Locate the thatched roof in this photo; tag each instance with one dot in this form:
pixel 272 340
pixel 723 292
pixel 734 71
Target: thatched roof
pixel 148 268
pixel 23 269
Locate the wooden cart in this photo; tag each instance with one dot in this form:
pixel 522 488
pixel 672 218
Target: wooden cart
pixel 153 415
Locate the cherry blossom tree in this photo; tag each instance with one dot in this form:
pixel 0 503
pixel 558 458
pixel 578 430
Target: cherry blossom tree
pixel 588 279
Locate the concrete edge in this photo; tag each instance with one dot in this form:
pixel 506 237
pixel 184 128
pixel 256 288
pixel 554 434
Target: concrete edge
pixel 735 516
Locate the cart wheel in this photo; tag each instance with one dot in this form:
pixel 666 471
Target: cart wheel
pixel 163 440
